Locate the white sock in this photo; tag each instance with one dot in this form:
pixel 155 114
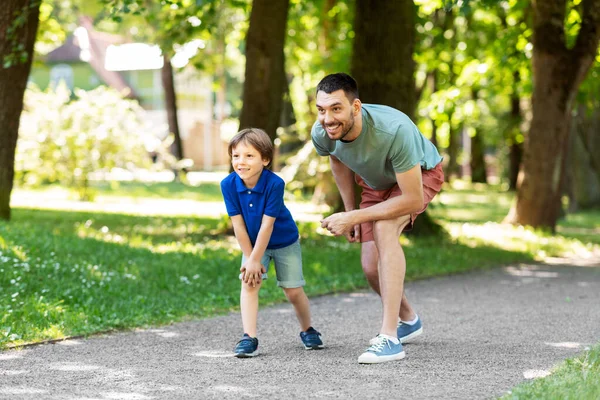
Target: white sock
pixel 414 321
pixel 390 338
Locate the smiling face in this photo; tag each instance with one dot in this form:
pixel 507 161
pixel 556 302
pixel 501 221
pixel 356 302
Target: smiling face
pixel 340 118
pixel 247 163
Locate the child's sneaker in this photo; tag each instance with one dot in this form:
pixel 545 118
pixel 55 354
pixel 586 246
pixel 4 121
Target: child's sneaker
pixel 382 349
pixel 246 347
pixel 311 339
pixel 406 332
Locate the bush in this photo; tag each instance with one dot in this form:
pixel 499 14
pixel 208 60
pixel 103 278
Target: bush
pixel 64 139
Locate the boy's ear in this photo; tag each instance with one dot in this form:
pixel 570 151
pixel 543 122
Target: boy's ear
pixel 266 162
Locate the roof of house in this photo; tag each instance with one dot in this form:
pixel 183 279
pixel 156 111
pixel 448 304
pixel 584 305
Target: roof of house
pixel 89 45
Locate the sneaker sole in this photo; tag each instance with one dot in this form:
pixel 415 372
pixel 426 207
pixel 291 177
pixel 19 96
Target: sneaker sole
pixel 319 347
pixel 246 355
pixel 373 359
pixel 411 336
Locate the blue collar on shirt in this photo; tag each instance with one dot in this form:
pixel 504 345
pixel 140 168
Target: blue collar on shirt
pixel 260 185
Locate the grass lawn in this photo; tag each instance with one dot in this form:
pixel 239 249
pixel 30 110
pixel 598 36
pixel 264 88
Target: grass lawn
pixel 65 273
pixel 575 379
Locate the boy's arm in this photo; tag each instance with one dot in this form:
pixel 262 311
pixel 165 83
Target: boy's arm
pixel 241 234
pixel 254 269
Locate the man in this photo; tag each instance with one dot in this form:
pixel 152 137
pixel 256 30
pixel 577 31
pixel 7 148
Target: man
pixel 399 171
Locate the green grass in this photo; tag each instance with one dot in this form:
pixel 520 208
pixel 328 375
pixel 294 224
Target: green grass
pixel 575 379
pixel 73 273
pixel 207 191
pixel 66 273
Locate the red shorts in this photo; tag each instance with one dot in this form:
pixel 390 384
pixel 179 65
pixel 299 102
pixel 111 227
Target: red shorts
pixel 433 180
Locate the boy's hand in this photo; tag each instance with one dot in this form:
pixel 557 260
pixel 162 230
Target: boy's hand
pixel 252 272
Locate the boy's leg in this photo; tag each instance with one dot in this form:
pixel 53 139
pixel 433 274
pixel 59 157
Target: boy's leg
pixel 249 307
pixel 249 298
pixel 288 267
pixel 299 300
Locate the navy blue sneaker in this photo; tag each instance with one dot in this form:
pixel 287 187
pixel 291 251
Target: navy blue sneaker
pixel 311 339
pixel 382 350
pixel 246 347
pixel 407 332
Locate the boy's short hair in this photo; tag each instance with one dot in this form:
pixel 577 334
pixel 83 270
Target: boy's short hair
pixel 255 137
pixel 340 80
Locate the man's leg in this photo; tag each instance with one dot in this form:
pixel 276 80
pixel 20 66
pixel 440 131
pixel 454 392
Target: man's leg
pixel 392 268
pixel 370 260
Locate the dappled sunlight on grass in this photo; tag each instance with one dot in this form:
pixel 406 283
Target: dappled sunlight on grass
pixel 521 239
pixel 65 273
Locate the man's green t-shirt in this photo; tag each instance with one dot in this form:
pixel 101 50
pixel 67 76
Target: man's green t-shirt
pixel 389 143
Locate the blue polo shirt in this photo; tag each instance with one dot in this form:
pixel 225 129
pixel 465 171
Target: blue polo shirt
pixel 266 198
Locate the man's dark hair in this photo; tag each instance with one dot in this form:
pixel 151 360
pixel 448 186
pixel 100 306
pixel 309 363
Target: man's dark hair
pixel 334 82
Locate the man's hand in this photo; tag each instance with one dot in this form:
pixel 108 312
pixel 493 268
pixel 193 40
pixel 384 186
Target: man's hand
pixel 252 272
pixel 342 224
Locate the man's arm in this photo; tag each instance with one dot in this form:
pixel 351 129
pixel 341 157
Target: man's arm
pixel 344 179
pixel 411 200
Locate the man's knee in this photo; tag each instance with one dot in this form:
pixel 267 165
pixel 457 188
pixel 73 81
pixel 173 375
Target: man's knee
pixel 386 227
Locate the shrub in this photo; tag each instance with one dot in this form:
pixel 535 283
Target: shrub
pixel 64 139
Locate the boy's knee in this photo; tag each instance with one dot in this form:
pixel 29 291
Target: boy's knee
pixel 293 294
pixel 248 288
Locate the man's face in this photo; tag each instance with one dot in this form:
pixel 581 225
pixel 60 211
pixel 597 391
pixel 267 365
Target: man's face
pixel 336 114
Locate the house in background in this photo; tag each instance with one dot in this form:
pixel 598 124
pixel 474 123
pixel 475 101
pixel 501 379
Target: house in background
pixel 89 58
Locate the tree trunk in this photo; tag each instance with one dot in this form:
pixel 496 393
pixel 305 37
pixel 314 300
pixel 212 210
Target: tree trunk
pixel 515 155
pixel 584 161
pixel 168 82
pixel 13 81
pixel 454 145
pixel 387 79
pixel 263 84
pixel 432 82
pixel 478 168
pixel 382 62
pixel 557 74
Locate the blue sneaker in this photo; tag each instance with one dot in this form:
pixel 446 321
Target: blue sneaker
pixel 407 332
pixel 382 349
pixel 246 347
pixel 311 339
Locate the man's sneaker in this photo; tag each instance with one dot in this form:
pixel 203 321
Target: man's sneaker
pixel 246 347
pixel 311 339
pixel 382 349
pixel 407 332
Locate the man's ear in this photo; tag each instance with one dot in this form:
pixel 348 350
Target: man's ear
pixel 356 106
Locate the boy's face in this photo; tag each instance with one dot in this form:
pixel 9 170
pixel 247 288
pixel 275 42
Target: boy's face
pixel 247 163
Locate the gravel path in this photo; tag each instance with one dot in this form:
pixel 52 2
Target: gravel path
pixel 484 332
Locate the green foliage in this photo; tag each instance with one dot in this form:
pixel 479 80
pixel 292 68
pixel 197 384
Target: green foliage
pixel 66 273
pixel 318 42
pixel 64 140
pixel 16 54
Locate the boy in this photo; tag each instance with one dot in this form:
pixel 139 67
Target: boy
pixel 265 231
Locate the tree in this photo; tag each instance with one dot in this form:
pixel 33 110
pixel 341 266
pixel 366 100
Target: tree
pixel 558 71
pixel 382 53
pixel 265 72
pixel 19 21
pixel 386 73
